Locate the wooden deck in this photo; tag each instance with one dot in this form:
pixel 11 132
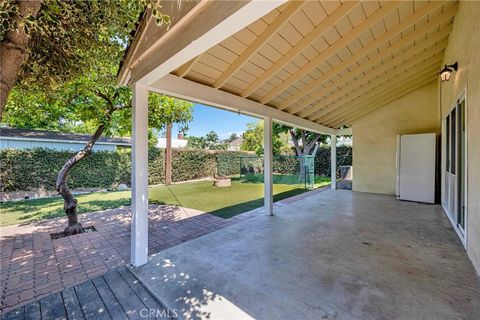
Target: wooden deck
pixel 114 295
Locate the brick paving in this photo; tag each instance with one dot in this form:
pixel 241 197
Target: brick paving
pixel 33 266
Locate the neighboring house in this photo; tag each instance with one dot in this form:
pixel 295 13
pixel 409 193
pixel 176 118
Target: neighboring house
pixel 180 142
pixel 235 144
pixel 11 138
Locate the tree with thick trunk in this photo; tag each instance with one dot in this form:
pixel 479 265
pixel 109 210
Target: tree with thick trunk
pixel 69 202
pixel 309 141
pixel 14 49
pixel 61 59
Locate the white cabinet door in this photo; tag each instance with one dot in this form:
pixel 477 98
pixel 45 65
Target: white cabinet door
pixel 417 167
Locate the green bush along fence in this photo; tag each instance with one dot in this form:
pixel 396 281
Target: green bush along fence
pixel 22 170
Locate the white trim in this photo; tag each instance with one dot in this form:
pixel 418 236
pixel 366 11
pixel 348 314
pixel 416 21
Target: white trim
pixel 333 161
pixel 174 86
pixel 268 166
pixel 139 224
pixel 63 141
pixel 462 234
pixel 397 165
pixel 464 96
pixel 463 239
pixel 243 17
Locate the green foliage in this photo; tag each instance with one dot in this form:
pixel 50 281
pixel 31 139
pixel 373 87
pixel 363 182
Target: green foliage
pixel 192 164
pixel 88 101
pixel 8 13
pixel 203 196
pixel 322 159
pixel 229 162
pixel 309 136
pixel 68 82
pixel 211 141
pixel 38 168
pixel 288 164
pixel 196 142
pixel 253 140
pixel 68 37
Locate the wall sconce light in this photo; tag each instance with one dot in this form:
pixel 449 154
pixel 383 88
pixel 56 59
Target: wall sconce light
pixel 447 71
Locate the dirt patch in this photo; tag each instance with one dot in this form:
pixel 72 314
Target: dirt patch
pixel 59 235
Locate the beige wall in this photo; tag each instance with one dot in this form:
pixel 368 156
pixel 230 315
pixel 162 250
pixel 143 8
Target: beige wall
pixel 375 137
pixel 464 47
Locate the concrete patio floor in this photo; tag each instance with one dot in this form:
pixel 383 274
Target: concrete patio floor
pixel 338 254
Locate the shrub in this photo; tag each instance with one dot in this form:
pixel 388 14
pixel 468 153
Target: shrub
pixel 33 169
pixel 38 168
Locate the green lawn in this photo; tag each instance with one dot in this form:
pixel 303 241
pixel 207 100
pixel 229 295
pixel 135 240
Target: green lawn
pixel 242 196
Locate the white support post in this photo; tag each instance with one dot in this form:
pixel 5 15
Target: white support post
pixel 333 160
pixel 268 164
pixel 139 236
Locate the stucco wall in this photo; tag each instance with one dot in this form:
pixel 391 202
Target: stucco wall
pixel 375 137
pixel 464 47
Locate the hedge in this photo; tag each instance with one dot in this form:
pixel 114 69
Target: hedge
pixel 33 169
pixel 291 165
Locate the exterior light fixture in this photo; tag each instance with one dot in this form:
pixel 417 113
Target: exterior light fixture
pixel 447 71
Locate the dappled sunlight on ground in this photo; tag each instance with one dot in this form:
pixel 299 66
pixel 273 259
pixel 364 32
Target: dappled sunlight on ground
pixel 193 300
pixel 33 265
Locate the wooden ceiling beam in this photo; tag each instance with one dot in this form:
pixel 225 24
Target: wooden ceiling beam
pixel 300 46
pixel 354 74
pixel 401 62
pixel 183 70
pixel 386 90
pixel 366 108
pixel 205 26
pixel 448 14
pixel 364 112
pixel 189 90
pixel 263 38
pixel 367 23
pixel 379 92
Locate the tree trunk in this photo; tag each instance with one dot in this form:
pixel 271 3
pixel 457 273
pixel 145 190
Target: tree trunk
pixel 69 202
pixel 13 51
pixel 304 150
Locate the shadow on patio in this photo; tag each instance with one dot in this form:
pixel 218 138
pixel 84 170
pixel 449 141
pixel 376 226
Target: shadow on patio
pixel 338 254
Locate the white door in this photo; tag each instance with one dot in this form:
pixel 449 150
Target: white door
pixel 455 184
pixel 417 167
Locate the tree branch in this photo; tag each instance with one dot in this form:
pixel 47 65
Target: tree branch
pixel 106 98
pixel 312 143
pixel 13 51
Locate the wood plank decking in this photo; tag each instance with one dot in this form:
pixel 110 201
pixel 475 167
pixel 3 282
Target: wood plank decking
pixel 114 295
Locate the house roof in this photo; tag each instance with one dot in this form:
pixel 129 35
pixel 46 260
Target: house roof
pixel 310 62
pixel 237 142
pixel 55 135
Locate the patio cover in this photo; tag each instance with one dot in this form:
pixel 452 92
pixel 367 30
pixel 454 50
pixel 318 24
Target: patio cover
pixel 314 65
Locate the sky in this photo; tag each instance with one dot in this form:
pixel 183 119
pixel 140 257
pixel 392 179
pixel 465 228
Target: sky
pixel 224 123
